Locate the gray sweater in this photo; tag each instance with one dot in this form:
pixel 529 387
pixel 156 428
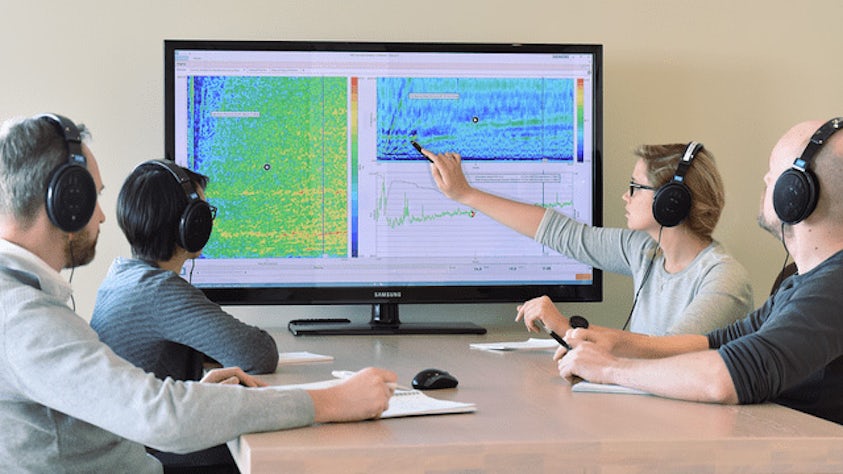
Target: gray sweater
pixel 713 291
pixel 69 404
pixel 158 321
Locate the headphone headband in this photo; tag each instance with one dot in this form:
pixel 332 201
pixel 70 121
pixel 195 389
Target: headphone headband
pixel 180 176
pixel 685 163
pixel 72 136
pixel 817 141
pixel 690 153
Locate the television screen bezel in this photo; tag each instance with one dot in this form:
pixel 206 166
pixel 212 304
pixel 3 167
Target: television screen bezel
pixel 374 294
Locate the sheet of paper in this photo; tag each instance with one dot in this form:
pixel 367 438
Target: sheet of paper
pixel 416 403
pixel 532 344
pixel 403 402
pixel 605 388
pixel 301 357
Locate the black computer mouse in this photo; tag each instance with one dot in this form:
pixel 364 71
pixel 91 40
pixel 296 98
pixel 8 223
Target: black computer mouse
pixel 432 379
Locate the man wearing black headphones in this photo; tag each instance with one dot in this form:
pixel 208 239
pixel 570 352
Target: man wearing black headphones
pixel 790 350
pixel 67 402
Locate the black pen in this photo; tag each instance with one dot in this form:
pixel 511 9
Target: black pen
pixel 419 148
pixel 574 321
pixel 554 335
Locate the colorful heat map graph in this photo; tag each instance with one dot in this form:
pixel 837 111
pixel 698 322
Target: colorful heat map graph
pixel 484 119
pixel 282 172
pixel 297 184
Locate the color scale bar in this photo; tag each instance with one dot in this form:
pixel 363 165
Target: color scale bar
pixel 580 118
pixel 352 114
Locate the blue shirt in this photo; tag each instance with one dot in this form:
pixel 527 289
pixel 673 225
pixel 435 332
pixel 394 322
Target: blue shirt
pixel 158 321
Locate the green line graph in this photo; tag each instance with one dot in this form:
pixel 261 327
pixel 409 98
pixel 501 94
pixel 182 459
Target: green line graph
pixel 409 214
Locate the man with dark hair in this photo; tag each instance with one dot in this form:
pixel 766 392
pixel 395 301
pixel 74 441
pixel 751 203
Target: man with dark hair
pixel 67 402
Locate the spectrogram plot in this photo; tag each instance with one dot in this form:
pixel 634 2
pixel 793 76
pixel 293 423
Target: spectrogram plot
pixel 276 148
pixel 482 119
pixel 411 217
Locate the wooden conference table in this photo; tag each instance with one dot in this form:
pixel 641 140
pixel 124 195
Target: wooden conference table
pixel 528 420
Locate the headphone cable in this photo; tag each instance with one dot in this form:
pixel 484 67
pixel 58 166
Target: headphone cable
pixel 644 280
pixel 72 269
pixel 190 275
pixel 786 250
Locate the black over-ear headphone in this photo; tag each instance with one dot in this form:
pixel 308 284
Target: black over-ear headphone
pixel 672 202
pixel 797 189
pixel 197 218
pixel 71 192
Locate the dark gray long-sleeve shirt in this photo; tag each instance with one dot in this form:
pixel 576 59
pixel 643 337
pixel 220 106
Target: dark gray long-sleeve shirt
pixel 158 321
pixel 790 350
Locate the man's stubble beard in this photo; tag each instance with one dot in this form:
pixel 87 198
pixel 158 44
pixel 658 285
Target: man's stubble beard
pixel 81 249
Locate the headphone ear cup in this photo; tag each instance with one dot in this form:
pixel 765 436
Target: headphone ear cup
pixel 795 195
pixel 71 197
pixel 671 204
pixel 195 226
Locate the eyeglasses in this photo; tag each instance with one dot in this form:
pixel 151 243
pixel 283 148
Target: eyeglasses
pixel 213 210
pixel 633 186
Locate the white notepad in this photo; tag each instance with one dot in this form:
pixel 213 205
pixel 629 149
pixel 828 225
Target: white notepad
pixel 403 402
pixel 606 388
pixel 416 403
pixel 532 344
pixel 301 357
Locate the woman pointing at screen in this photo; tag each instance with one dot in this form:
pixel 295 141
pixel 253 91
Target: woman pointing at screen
pixel 684 281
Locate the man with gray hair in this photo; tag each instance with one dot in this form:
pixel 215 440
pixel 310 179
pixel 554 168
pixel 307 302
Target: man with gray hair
pixel 67 402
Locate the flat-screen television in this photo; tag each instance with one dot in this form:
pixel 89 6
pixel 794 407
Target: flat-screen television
pixel 323 199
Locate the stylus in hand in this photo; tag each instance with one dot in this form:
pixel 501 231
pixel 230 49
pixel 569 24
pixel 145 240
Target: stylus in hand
pixel 574 321
pixel 419 148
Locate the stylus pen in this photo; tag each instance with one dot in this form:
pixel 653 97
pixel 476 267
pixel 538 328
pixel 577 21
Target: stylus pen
pixel 575 322
pixel 554 335
pixel 419 148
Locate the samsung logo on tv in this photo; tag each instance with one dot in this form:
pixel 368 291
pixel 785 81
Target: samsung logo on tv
pixel 387 294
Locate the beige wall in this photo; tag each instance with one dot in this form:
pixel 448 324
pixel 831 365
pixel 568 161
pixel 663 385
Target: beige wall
pixel 732 74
